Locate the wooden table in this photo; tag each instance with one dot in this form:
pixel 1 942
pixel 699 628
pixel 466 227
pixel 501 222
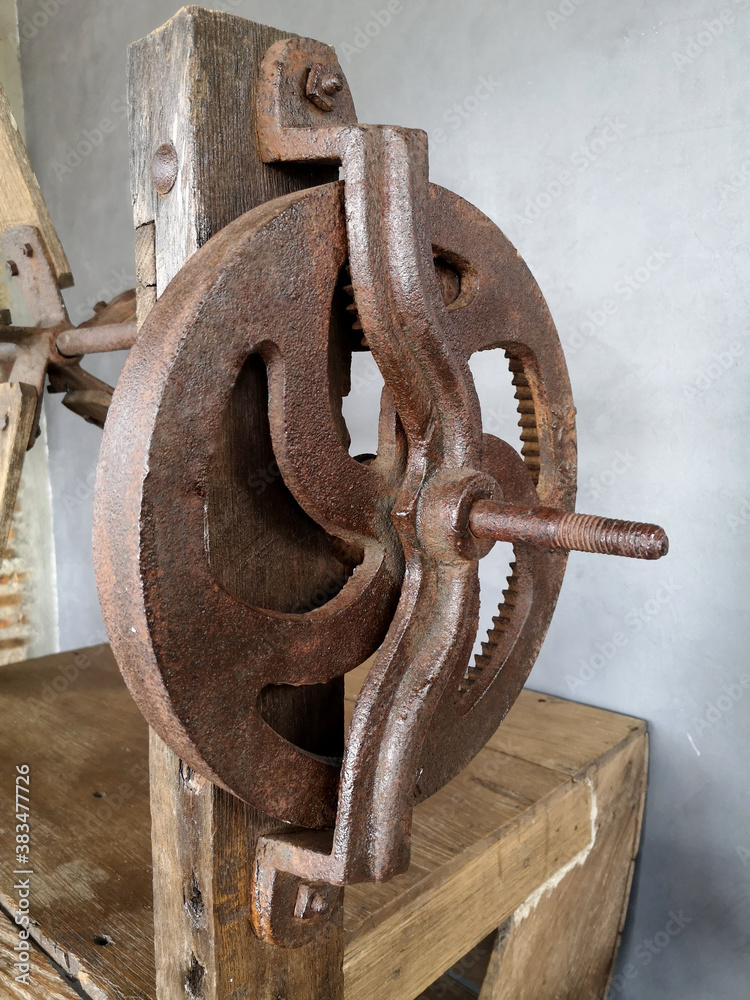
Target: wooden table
pixel 536 837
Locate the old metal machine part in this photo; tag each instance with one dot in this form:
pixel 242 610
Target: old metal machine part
pixel 386 262
pixel 53 348
pixel 50 351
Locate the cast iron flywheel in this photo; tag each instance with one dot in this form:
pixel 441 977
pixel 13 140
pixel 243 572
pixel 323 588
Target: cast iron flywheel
pixel 255 333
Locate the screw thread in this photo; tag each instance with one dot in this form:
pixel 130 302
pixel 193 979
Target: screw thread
pixel 556 529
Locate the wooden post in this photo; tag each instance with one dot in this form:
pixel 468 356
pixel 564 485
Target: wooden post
pixel 192 85
pixel 21 201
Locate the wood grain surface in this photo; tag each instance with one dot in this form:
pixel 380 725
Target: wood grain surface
pixel 576 926
pixel 69 717
pixel 21 201
pixel 482 845
pixel 18 404
pixel 45 982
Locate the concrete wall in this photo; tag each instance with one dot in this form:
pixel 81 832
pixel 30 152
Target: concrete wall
pixel 609 141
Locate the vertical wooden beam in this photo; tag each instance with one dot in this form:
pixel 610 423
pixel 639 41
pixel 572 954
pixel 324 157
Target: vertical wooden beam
pixel 192 84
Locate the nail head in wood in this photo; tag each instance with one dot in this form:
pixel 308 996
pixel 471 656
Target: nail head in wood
pixel 164 167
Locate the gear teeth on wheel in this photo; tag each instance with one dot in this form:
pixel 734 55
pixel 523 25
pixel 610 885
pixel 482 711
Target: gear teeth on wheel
pixel 494 636
pixel 527 414
pixel 530 453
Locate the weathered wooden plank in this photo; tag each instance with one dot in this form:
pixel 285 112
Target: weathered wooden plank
pixel 18 403
pixel 70 717
pixel 44 981
pixel 576 924
pixel 145 270
pixel 465 899
pixel 21 201
pixel 572 737
pixel 192 85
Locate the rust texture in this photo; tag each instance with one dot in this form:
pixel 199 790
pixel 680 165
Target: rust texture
pixel 555 529
pixel 51 350
pixel 387 262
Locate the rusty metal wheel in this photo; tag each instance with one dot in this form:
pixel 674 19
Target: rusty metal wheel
pixel 256 308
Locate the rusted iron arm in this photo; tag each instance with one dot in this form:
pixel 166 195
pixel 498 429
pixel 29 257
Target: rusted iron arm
pixel 72 343
pixel 97 339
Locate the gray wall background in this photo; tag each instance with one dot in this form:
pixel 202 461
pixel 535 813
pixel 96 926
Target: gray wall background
pixel 610 142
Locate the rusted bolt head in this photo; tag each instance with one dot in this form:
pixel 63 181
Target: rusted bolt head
pixel 322 86
pixel 164 167
pixel 318 903
pixel 331 84
pixel 27 250
pixel 312 901
pixel 12 268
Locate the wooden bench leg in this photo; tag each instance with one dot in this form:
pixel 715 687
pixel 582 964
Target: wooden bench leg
pixel 561 944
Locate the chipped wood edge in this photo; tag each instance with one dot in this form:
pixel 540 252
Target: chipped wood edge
pixel 369 952
pixel 70 965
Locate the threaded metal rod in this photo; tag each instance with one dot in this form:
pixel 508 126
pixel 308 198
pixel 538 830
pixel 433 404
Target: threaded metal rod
pixel 557 529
